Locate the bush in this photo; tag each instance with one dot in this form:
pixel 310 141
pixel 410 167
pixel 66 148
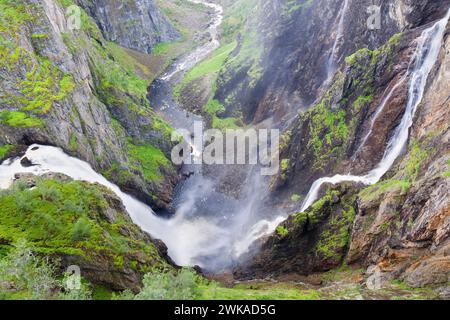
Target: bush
pixel 22 270
pixel 159 285
pixel 24 275
pixel 81 230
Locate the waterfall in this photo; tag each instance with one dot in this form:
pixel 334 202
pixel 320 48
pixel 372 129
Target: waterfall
pixel 331 65
pixel 426 54
pixel 184 238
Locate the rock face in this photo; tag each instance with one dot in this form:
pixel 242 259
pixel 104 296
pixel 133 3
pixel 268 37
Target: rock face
pixel 68 88
pixel 137 24
pixel 299 46
pixel 314 241
pixel 400 227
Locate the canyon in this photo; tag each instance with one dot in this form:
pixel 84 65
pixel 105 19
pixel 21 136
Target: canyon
pixel 363 187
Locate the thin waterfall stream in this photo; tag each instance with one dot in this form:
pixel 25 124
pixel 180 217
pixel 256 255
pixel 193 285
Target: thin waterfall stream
pixel 427 52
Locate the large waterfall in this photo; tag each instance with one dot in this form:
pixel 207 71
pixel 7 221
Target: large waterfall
pixel 428 47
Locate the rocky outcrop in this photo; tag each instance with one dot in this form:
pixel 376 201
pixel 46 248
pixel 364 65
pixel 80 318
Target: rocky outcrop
pixel 137 24
pixel 401 224
pixel 313 241
pixel 67 88
pixel 82 224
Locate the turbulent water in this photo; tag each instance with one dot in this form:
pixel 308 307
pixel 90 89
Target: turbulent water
pixel 210 229
pixel 427 52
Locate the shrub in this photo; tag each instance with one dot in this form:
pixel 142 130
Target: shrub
pixel 81 230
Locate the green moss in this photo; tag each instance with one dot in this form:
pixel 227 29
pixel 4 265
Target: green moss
pixel 295 198
pixel 73 142
pixel 225 123
pixel 327 127
pixel 5 150
pixel 282 231
pixel 375 191
pixel 337 236
pixel 416 156
pixel 362 101
pixel 39 83
pixel 149 160
pixel 13 16
pixel 19 119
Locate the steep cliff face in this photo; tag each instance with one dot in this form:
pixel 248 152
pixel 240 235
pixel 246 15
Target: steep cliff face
pixel 286 66
pixel 138 24
pixel 75 90
pixel 397 228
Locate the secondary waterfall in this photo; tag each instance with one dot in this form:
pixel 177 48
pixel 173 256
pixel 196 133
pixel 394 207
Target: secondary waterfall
pixel 331 65
pixel 427 52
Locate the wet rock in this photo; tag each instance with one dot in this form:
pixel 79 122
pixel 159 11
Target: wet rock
pixel 137 24
pixel 25 162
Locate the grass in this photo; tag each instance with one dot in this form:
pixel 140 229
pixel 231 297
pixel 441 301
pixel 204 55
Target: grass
pixel 207 67
pixel 256 292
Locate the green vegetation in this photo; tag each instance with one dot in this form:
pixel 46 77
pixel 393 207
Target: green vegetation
pixel 375 191
pixel 292 6
pixel 261 291
pixel 68 218
pixel 416 156
pixel 19 119
pixel 5 150
pixel 337 236
pixel 186 285
pixel 149 160
pixel 327 126
pixel 282 231
pixel 39 83
pixel 207 67
pixel 13 15
pixel 27 276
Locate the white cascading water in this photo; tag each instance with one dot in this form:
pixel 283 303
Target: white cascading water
pixel 181 236
pixel 427 52
pixel 331 65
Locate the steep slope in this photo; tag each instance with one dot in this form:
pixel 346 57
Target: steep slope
pixel 397 228
pixel 138 25
pixel 73 89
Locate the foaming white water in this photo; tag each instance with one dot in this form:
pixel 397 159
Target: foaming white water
pixel 331 66
pixel 202 52
pixel 184 238
pixel 260 229
pixel 427 52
